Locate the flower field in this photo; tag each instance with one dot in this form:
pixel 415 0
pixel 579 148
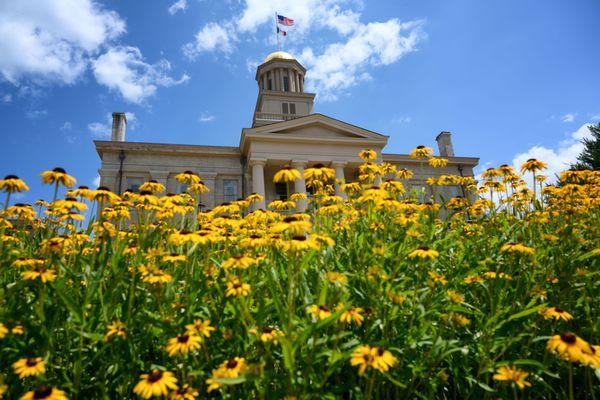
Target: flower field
pixel 367 296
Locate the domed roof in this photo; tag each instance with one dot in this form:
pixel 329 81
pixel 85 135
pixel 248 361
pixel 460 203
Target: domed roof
pixel 282 55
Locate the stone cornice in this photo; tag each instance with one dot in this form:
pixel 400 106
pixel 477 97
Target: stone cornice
pixel 406 159
pixel 103 146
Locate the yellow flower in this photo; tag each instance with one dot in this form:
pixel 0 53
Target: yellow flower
pixel 198 188
pixel 424 253
pixel 570 347
pixel 82 192
pixel 269 334
pixel 41 273
pixel 200 327
pixel 44 393
pixel 115 329
pixel 351 314
pixel 404 173
pixel 228 369
pixel 555 313
pixel 497 275
pixel 29 367
pixel 182 344
pixel 174 257
pixel 157 383
pixel 319 312
pixel 374 357
pixel 455 297
pixel 516 248
pixel 368 155
pixel 187 177
pixel 3 330
pixel 421 152
pixel 152 186
pixel 12 184
pixel 435 277
pixel 104 195
pixel 185 392
pixel 438 162
pixel 239 261
pixel 533 165
pixel 153 274
pixel 237 288
pixel 58 176
pixel 362 358
pixel 337 278
pixel 287 174
pixel 513 374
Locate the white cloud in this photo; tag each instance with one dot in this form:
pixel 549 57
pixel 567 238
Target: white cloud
pixel 96 181
pixel 36 114
pixel 206 117
pixel 6 98
pixel 596 117
pixel 568 117
pixel 51 40
pixel 212 37
pixel 103 130
pixel 401 120
pixel 343 65
pixel 558 158
pixel 333 67
pixel 67 126
pixel 179 5
pixel 123 69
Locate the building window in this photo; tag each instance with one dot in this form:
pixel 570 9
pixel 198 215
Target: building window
pixel 281 190
pixel 230 190
pixel 183 187
pixel 286 84
pixel 134 184
pixel 288 108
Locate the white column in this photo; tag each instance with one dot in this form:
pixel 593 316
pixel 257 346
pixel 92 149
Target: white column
pixel 258 181
pixel 300 184
pixel 339 177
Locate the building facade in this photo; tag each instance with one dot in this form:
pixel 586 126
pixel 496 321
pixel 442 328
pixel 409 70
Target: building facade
pixel 285 131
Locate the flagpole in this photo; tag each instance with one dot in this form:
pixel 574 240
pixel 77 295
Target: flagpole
pixel 277 33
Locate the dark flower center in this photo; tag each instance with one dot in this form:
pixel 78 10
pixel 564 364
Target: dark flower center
pixel 299 238
pixel 559 310
pixel 424 248
pixel 324 308
pixel 103 188
pixel 568 337
pixel 60 170
pixel 380 351
pixel 11 177
pixel 368 357
pixel 83 187
pixel 231 364
pixel 266 329
pixel 420 147
pixel 290 219
pixel 42 392
pixel 183 338
pixel 237 285
pixel 31 362
pixel 155 376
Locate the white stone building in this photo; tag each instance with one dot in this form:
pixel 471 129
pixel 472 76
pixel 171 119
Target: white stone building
pixel 285 131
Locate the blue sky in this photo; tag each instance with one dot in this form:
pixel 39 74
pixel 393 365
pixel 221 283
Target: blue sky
pixel 510 79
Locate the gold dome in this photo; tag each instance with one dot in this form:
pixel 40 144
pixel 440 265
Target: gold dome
pixel 282 55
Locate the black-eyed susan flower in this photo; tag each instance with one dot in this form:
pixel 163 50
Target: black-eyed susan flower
pixel 29 367
pixel 157 384
pixel 337 278
pixel 455 296
pixel 421 152
pixel 174 258
pixel 568 346
pixel 319 312
pixel 437 162
pixel 286 174
pixel 83 192
pixel 231 368
pixel 153 274
pixel 351 314
pixel 116 329
pixel 187 177
pixel 512 374
pixel 555 313
pixel 58 176
pixel 368 155
pixel 152 186
pixel 424 253
pixel 3 330
pixel 200 327
pixel 404 173
pixel 239 261
pixel 269 334
pixel 104 195
pixel 185 392
pixel 12 184
pixel 236 288
pixel 45 393
pixel 513 247
pixel 254 197
pixel 183 343
pixel 41 273
pixel 374 357
pixel 533 165
pixel 198 188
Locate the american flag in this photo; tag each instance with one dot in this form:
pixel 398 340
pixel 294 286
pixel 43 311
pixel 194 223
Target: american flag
pixel 285 20
pixel 281 32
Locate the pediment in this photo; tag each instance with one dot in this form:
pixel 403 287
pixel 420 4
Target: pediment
pixel 317 126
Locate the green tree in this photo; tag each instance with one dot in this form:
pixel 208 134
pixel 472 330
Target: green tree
pixel 590 156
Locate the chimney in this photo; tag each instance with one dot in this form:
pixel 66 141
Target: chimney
pixel 119 126
pixel 444 141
